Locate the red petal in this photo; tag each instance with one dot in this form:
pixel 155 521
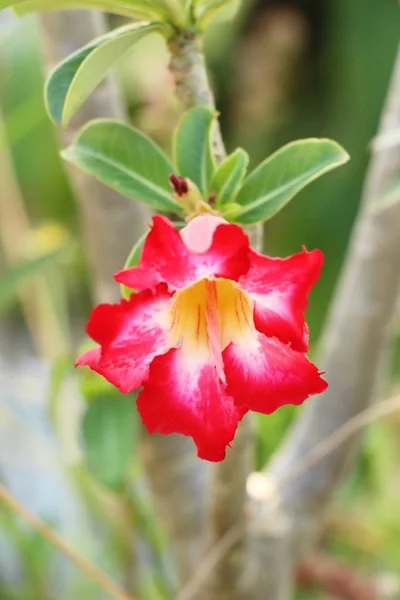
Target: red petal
pixel 166 258
pixel 264 374
pixel 279 288
pixel 130 335
pixel 91 358
pixel 184 395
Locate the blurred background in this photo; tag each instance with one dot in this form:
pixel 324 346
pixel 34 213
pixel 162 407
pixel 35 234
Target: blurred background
pixel 283 70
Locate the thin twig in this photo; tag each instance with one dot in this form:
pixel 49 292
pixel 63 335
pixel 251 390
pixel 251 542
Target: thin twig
pixel 338 437
pixel 336 578
pixel 263 490
pixel 103 580
pixel 210 561
pixel 353 351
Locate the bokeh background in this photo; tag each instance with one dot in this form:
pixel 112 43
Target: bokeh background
pixel 283 70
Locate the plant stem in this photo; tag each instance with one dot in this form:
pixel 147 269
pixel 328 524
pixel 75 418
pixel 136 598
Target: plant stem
pixel 178 480
pixel 189 70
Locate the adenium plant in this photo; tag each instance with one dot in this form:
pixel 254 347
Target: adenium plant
pixel 209 327
pixel 217 329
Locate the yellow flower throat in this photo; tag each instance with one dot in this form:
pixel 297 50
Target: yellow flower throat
pixel 208 316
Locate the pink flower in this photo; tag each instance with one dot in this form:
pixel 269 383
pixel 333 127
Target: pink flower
pixel 216 330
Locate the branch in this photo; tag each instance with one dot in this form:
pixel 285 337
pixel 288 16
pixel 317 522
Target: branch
pixel 101 578
pixel 353 348
pixel 260 488
pixel 188 67
pixel 189 71
pixel 179 482
pixel 339 580
pixel 111 223
pixel 336 578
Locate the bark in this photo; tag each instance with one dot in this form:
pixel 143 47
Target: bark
pixel 179 481
pixel 188 67
pixel 111 223
pixel 353 350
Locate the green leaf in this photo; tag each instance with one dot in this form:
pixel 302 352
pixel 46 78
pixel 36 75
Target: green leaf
pixel 73 80
pixel 132 261
pixel 108 439
pixel 212 10
pixel 192 149
pixel 126 160
pixel 229 176
pixel 22 273
pixel 188 5
pixel 231 211
pixel 282 175
pixel 134 9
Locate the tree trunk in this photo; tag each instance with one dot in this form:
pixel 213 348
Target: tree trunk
pixel 353 352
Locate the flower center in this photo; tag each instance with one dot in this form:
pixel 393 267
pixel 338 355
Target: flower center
pixel 208 315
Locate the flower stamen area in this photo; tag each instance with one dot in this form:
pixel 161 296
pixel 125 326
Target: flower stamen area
pixel 207 316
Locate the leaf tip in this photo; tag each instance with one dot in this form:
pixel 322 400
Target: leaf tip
pixel 66 154
pixel 342 155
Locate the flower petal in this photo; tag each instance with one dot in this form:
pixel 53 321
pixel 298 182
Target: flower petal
pixel 166 258
pixel 130 335
pixel 183 394
pixel 199 232
pixel 279 288
pixel 91 358
pixel 263 374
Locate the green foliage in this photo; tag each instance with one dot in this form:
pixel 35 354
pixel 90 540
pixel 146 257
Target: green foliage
pixel 283 174
pixel 73 80
pixel 178 12
pixel 211 10
pixel 108 439
pixel 229 176
pixel 192 147
pixel 125 159
pixel 151 587
pixel 134 9
pixel 132 261
pixel 21 274
pixel 34 554
pixel 231 211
